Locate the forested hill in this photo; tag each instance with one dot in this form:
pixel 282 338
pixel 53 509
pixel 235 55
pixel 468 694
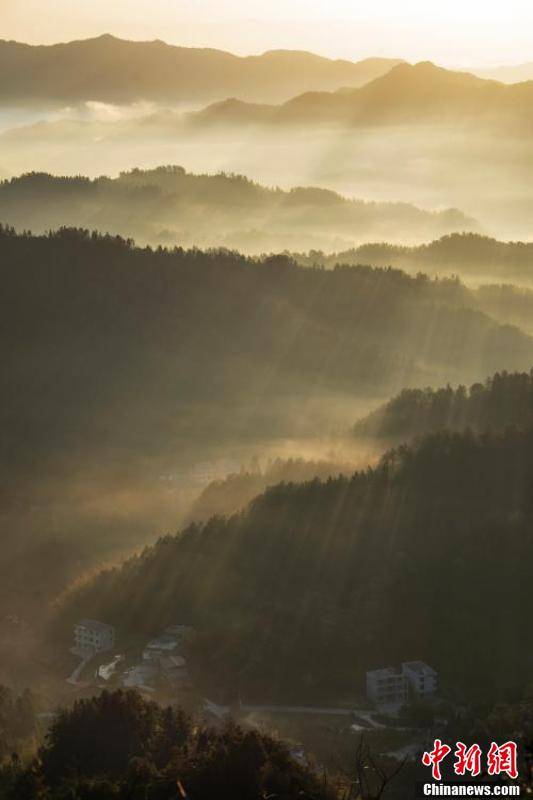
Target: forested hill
pixel 467 254
pixel 122 365
pixel 504 399
pixel 224 497
pixel 93 324
pixel 106 343
pixel 317 582
pixel 168 205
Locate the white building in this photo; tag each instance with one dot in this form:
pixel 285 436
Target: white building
pixel 393 686
pixel 92 636
pixel 387 686
pixel 422 678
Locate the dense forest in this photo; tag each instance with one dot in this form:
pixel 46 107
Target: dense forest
pixel 234 492
pixel 91 303
pixel 122 364
pixel 168 206
pixel 317 582
pixel 468 254
pixel 505 399
pixel 19 724
pixel 118 746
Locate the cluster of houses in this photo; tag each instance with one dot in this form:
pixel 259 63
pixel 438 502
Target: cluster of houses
pixel 396 686
pixel 161 663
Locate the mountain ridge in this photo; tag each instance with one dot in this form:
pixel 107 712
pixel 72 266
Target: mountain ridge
pixel 110 69
pixel 407 93
pixel 169 205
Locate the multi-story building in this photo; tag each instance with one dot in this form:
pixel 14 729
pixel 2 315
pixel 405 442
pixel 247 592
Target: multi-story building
pixel 422 678
pixel 92 636
pixel 393 686
pixel 387 686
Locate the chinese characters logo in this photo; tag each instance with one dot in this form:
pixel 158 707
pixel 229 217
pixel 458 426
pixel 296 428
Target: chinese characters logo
pixel 501 759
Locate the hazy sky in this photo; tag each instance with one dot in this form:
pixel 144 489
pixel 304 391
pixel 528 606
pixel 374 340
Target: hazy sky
pixel 451 32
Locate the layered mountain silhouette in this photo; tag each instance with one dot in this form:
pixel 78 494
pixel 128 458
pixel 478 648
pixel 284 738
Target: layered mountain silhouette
pixel 171 206
pixel 469 254
pixel 407 94
pixel 113 70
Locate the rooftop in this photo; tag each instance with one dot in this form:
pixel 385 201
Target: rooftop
pixel 94 624
pixel 420 667
pixel 386 672
pixel 163 642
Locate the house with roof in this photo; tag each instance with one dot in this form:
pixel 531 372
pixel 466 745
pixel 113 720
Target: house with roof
pixel 393 686
pixel 168 643
pixel 92 636
pixel 387 686
pixel 422 678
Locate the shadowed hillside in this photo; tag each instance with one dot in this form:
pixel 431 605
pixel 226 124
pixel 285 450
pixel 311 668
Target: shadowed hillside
pixel 91 320
pixel 122 365
pixel 232 494
pixel 317 582
pixel 505 399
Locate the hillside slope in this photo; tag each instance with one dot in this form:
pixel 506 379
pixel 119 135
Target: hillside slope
pixel 123 365
pixel 94 327
pixel 318 582
pixel 505 399
pixel 167 205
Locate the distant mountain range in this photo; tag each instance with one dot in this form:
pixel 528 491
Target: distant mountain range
pixel 411 95
pixel 510 73
pixel 113 70
pixel 406 94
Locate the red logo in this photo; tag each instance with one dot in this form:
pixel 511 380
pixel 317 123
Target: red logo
pixel 435 756
pixel 467 760
pixel 500 759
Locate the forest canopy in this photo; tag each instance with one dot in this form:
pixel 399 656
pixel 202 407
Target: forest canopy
pixel 169 206
pixel 505 399
pixel 317 582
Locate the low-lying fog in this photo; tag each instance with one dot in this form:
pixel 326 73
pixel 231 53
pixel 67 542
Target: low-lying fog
pixel 488 177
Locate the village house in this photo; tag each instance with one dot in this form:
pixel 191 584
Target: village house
pixel 422 678
pixel 387 686
pixel 162 662
pixel 170 642
pixel 92 636
pixel 393 686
